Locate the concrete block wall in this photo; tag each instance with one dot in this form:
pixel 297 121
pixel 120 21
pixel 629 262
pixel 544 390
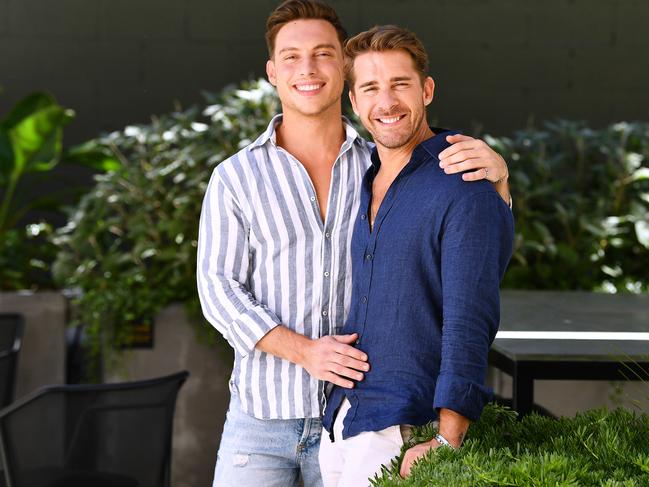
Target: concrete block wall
pixel 42 359
pixel 497 63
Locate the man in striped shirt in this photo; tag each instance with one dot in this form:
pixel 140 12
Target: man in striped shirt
pixel 274 267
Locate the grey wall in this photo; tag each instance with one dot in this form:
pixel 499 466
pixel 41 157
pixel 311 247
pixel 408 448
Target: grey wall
pixel 496 62
pixel 42 360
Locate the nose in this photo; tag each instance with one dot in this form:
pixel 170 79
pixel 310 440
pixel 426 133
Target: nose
pixel 307 66
pixel 387 102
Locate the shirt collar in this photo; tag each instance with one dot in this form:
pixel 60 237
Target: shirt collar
pixel 270 135
pixel 430 147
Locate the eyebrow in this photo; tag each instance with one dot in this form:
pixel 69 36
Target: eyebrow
pixel 392 80
pixel 319 46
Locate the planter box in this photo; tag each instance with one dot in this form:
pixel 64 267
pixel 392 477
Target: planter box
pixel 202 401
pixel 42 358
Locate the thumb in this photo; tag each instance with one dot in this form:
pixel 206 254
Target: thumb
pixel 345 338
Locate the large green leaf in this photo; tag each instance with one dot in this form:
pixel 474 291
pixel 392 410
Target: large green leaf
pixel 92 155
pixel 23 109
pixel 37 139
pixel 27 107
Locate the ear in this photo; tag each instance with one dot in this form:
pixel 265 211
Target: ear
pixel 270 72
pixel 352 98
pixel 429 89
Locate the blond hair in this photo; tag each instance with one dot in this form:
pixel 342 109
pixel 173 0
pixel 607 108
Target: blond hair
pixel 385 38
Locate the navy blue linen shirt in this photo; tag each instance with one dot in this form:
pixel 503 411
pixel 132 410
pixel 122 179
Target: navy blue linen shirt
pixel 425 295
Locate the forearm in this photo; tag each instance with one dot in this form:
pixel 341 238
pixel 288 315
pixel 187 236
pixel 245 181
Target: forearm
pixel 453 426
pixel 285 343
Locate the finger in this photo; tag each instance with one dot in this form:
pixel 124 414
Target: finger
pixel 405 467
pixel 345 338
pixel 345 372
pixel 474 175
pixel 467 143
pixel 352 352
pixel 466 165
pixel 460 156
pixel 346 361
pixel 337 380
pixel 452 139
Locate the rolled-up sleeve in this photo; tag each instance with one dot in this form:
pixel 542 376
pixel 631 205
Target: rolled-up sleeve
pixel 476 245
pixel 223 263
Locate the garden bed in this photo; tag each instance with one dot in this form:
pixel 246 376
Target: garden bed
pixel 598 447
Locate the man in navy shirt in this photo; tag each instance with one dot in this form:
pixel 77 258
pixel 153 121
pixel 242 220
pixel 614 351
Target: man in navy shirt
pixel 428 254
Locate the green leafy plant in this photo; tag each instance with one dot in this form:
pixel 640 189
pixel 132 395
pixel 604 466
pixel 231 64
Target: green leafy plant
pixel 581 205
pixel 130 244
pixel 599 447
pixel 31 143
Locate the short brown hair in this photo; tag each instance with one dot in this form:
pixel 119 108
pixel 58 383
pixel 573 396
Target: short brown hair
pixel 385 38
pixel 291 10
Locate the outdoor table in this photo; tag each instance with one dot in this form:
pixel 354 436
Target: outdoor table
pixel 558 335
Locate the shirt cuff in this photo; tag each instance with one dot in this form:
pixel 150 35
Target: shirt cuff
pixel 251 327
pixel 461 396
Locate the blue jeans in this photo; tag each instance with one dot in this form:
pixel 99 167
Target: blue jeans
pixel 267 453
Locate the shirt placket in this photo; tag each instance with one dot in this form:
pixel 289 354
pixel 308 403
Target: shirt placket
pixel 326 242
pixel 371 240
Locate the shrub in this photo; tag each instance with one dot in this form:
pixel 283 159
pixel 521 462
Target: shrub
pixel 581 205
pixel 593 448
pixel 130 245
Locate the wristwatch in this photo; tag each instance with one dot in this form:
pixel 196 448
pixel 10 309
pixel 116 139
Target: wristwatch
pixel 443 441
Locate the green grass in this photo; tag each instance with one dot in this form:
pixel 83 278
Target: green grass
pixel 596 448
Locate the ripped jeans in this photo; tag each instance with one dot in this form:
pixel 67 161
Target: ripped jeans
pixel 267 453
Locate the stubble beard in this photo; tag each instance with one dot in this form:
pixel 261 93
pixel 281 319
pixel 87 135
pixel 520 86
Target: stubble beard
pixel 395 139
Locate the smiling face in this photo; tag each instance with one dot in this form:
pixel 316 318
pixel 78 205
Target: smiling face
pixel 390 98
pixel 307 67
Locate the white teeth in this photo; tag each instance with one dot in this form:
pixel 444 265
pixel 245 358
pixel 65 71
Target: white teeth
pixel 308 87
pixel 390 120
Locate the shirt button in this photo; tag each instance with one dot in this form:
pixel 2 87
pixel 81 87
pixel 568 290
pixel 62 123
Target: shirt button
pixel 363 216
pixel 312 198
pixel 364 299
pixel 326 274
pixel 328 235
pixel 368 256
pixel 325 313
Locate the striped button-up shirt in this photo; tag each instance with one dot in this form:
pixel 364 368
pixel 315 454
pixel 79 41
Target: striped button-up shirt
pixel 265 258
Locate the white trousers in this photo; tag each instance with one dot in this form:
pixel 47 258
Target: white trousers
pixel 352 462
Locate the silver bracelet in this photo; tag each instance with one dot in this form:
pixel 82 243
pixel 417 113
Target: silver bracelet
pixel 443 441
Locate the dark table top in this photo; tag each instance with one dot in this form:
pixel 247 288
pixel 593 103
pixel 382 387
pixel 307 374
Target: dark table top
pixel 573 326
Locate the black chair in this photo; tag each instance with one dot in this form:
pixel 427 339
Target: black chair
pixel 11 337
pixel 116 435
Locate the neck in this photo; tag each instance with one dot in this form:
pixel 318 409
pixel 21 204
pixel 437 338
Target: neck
pixel 393 160
pixel 300 134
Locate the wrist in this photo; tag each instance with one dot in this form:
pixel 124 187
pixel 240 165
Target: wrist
pixel 443 441
pixel 302 350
